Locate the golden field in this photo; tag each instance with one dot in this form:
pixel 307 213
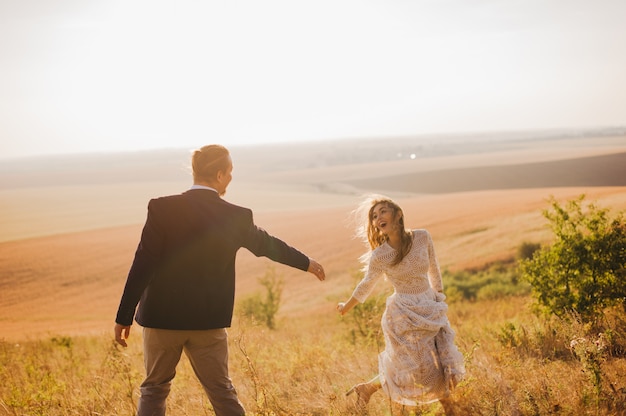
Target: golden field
pixel 69 231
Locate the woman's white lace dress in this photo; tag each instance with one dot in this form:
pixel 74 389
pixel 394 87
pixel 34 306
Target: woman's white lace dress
pixel 420 355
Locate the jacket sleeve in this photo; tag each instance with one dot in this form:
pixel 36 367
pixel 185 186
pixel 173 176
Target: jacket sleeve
pixel 261 243
pixel 143 267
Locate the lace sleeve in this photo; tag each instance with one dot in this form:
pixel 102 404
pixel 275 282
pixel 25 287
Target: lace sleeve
pixel 365 287
pixel 434 274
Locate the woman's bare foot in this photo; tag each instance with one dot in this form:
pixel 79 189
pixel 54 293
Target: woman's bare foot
pixel 363 391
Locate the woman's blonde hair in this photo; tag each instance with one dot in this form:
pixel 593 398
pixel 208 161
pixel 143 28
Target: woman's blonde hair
pixel 369 232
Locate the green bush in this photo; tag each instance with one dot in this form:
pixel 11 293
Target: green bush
pixel 366 316
pixel 527 249
pixel 583 270
pixel 497 281
pixel 264 309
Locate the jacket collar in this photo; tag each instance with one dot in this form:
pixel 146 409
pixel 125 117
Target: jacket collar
pixel 194 186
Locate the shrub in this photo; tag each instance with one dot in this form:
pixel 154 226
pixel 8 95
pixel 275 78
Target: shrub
pixel 265 309
pixel 527 249
pixel 496 281
pixel 366 316
pixel 583 271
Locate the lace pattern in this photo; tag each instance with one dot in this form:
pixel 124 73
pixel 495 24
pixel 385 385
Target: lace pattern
pixel 420 356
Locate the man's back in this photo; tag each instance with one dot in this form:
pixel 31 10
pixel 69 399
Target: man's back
pixel 183 278
pixel 191 243
pixel 185 263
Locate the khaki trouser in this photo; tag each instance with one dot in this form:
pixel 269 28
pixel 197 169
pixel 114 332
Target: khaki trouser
pixel 207 351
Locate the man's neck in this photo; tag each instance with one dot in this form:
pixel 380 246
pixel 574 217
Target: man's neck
pixel 203 186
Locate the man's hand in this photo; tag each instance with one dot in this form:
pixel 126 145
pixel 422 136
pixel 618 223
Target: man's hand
pixel 316 269
pixel 121 334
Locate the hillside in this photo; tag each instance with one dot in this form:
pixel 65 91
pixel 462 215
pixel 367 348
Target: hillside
pixel 66 246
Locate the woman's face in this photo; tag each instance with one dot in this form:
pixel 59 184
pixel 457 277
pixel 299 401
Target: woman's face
pixel 384 218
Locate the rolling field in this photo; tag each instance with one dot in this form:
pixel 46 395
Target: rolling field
pixel 66 246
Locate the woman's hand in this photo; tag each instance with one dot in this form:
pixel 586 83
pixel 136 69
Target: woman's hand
pixel 340 307
pixel 344 307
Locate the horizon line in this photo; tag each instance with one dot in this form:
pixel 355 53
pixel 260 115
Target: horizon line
pixel 511 134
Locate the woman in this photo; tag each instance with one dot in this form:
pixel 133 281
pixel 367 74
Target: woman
pixel 420 363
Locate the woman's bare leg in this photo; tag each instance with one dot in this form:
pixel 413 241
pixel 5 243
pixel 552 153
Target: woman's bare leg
pixel 365 390
pixel 447 407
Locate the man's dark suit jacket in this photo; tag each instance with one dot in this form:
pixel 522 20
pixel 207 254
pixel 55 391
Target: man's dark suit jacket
pixel 183 274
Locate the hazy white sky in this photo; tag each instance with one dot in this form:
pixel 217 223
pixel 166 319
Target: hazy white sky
pixel 91 75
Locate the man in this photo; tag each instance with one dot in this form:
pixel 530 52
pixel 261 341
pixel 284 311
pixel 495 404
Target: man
pixel 183 278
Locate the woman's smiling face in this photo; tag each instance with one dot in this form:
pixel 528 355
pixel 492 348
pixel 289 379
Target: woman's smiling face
pixel 383 217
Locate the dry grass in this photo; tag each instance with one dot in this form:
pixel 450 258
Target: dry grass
pixel 60 285
pixel 306 365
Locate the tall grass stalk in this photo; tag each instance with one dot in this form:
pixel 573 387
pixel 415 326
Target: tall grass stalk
pixel 517 365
